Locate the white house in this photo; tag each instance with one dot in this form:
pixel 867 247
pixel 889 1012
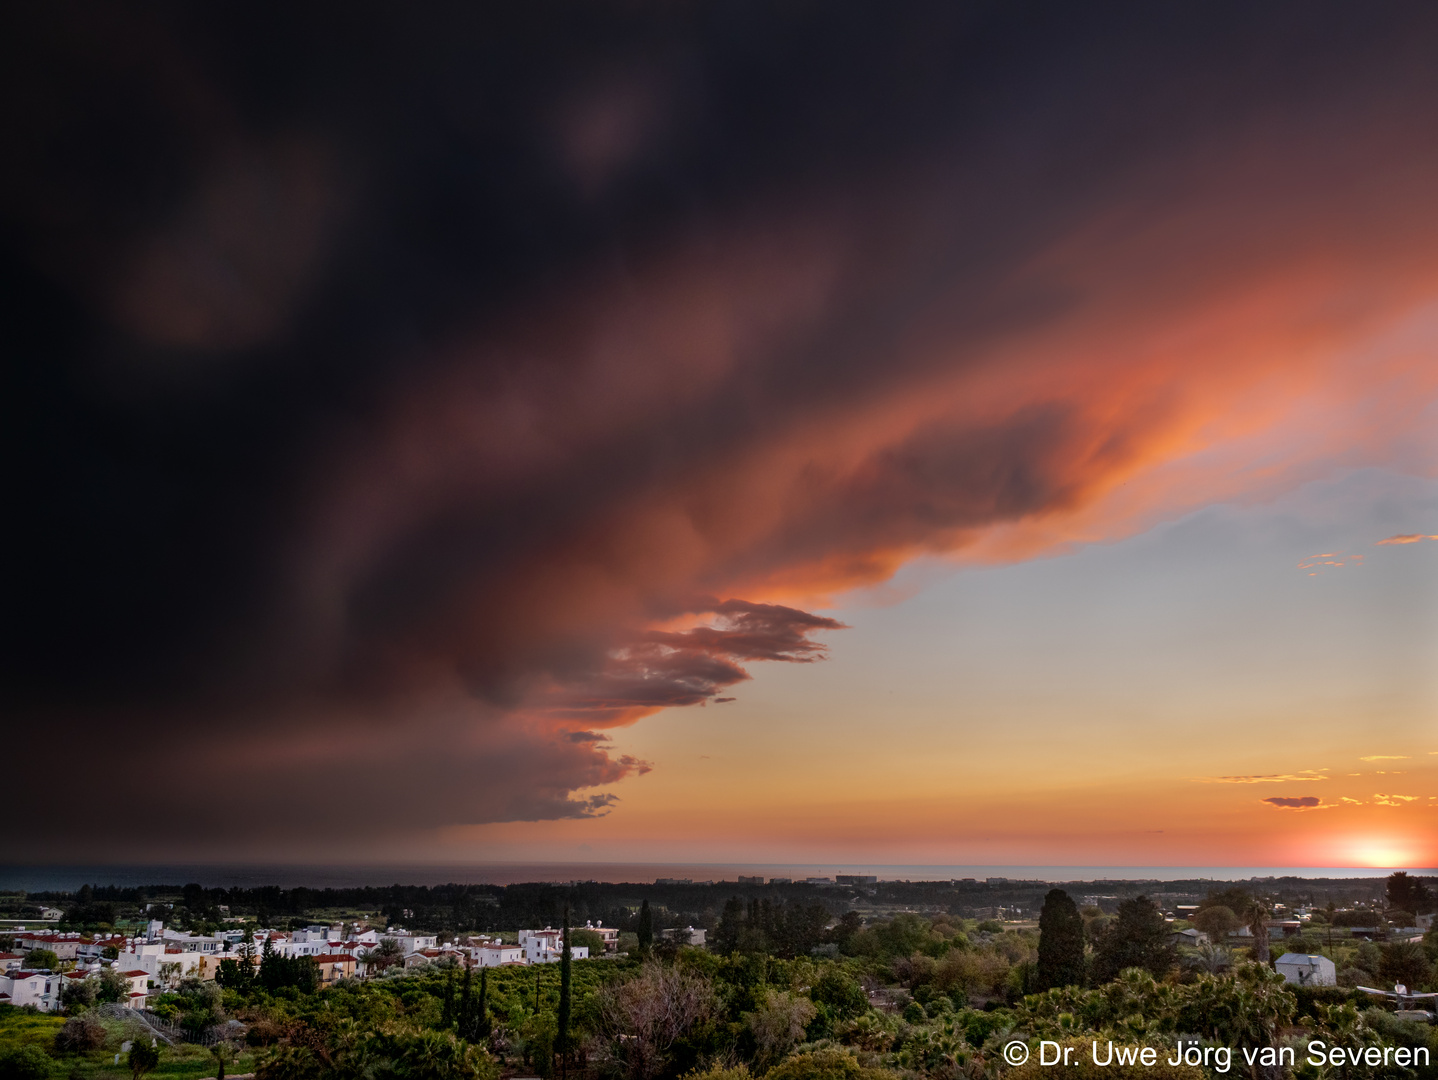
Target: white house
pixel 138 981
pixel 95 949
pixel 546 947
pixel 495 954
pixel 610 934
pixel 64 946
pixel 317 933
pixel 1192 937
pixel 685 935
pixel 1305 969
pixel 306 947
pixel 411 943
pixel 166 964
pixel 187 942
pixel 38 988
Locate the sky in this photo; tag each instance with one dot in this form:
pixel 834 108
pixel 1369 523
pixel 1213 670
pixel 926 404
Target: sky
pixel 991 434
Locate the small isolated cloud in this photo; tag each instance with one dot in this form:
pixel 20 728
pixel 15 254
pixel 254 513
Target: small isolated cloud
pixel 1406 538
pixel 1394 800
pixel 1385 757
pixel 1315 564
pixel 1354 802
pixel 1265 778
pixel 722 700
pixel 1305 802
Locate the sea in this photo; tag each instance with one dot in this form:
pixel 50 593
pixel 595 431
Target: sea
pixel 38 878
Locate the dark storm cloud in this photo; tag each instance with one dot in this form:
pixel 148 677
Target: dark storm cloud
pixel 462 377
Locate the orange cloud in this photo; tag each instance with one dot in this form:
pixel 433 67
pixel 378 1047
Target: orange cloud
pixel 1405 538
pixel 624 463
pixel 1264 778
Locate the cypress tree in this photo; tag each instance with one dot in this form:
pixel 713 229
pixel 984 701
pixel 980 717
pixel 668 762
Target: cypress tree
pixel 561 1034
pixel 466 1020
pixel 481 1024
pixel 1061 958
pixel 446 1016
pixel 646 929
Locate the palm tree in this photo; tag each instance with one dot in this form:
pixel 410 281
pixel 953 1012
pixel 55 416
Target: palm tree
pixel 1212 958
pixel 221 1052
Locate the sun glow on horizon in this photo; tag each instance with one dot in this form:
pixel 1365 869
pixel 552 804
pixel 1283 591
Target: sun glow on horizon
pixel 1383 853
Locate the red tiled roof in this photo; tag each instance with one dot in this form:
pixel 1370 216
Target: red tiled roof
pixel 134 974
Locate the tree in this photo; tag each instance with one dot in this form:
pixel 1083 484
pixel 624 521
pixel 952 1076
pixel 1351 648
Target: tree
pixel 1061 945
pixel 1139 938
pixel 481 1012
pixel 79 1034
pixel 1407 893
pixel 1249 910
pixel 1258 927
pixel 235 975
pixel 1217 922
pixel 24 1063
pixel 1405 962
pixel 1236 898
pixel 466 1003
pixel 278 971
pixel 78 994
pixel 143 1059
pixel 446 1013
pixel 41 960
pixel 778 1024
pixel 383 956
pixel 643 1017
pixel 1212 958
pixel 222 1052
pixel 842 934
pixel 587 939
pixel 725 938
pixel 566 977
pixel 829 1064
pixel 645 929
pixel 840 993
pixel 112 986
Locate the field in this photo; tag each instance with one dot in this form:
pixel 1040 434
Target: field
pixel 20 1028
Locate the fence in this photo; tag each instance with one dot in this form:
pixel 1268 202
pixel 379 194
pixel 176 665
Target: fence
pixel 168 1032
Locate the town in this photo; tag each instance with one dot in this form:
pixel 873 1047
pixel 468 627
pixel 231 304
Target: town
pixel 820 979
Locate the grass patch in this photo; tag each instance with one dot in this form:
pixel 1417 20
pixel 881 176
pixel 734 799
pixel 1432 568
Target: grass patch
pixel 21 1028
pixel 184 1062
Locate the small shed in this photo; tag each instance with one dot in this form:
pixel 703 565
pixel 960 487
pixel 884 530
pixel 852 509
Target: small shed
pixel 1307 969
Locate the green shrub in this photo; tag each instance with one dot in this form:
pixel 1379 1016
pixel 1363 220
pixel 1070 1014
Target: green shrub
pixel 825 1065
pixel 24 1063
